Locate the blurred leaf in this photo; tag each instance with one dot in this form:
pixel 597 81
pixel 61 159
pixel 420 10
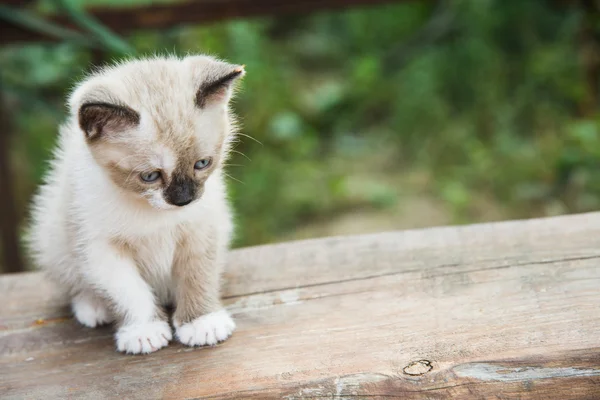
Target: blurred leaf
pixel 100 32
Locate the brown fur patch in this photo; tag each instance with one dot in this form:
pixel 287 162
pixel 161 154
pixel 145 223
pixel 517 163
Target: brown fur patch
pixel 126 179
pixel 97 119
pixel 184 178
pixel 217 89
pixel 126 250
pixel 197 275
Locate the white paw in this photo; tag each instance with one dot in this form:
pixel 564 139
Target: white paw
pixel 90 310
pixel 208 329
pixel 143 338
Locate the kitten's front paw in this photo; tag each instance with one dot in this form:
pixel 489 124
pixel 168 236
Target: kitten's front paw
pixel 90 310
pixel 143 338
pixel 208 329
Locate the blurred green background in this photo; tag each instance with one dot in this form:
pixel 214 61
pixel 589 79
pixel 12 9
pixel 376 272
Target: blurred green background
pixel 387 117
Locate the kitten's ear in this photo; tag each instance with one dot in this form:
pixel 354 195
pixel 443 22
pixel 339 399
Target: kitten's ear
pixel 101 119
pixel 218 90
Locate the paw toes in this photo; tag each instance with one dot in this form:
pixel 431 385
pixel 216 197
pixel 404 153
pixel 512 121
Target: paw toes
pixel 143 338
pixel 208 329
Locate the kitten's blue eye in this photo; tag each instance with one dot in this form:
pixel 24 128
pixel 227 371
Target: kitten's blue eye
pixel 201 164
pixel 150 177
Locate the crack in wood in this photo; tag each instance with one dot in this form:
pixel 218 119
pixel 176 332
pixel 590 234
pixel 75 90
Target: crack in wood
pixel 415 270
pixel 491 372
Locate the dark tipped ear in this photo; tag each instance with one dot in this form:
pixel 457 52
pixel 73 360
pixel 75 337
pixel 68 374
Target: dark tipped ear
pixel 99 119
pixel 217 90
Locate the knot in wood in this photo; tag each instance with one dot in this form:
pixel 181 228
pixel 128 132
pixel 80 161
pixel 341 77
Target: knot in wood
pixel 416 368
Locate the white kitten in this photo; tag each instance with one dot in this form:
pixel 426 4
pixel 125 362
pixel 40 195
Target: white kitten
pixel 133 214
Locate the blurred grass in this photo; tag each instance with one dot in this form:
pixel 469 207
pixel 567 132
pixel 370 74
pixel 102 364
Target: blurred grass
pixel 482 122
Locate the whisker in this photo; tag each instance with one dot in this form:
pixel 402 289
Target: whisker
pixel 136 169
pixel 250 137
pixel 231 177
pixel 124 158
pixel 240 153
pixel 130 173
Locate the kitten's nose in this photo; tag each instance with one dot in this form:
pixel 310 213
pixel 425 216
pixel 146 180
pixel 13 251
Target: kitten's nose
pixel 181 192
pixel 181 198
pixel 181 203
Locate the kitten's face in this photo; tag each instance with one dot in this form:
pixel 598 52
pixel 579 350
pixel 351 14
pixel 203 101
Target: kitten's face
pixel 161 129
pixel 166 173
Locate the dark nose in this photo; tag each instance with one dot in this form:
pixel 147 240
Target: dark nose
pixel 181 191
pixel 182 202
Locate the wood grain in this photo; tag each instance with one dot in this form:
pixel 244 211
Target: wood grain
pixel 506 310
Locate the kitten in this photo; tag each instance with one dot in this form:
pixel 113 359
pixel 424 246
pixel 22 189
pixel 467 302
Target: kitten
pixel 133 214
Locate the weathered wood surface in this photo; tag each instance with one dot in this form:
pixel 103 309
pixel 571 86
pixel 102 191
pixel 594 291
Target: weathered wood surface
pixel 508 310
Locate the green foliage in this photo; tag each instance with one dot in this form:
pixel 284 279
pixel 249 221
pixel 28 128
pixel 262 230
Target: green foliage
pixel 488 108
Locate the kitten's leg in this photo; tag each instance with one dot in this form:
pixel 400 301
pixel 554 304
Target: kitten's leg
pixel 90 310
pixel 199 317
pixel 143 326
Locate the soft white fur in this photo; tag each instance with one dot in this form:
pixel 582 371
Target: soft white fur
pixel 207 329
pixel 90 311
pixel 79 211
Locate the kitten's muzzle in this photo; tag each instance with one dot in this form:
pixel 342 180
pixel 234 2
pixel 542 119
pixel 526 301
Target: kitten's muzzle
pixel 181 192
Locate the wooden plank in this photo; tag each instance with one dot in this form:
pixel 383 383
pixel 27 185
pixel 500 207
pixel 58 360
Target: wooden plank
pixel 506 310
pixel 161 16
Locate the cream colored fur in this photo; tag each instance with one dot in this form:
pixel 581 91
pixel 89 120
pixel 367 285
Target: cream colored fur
pixel 121 254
